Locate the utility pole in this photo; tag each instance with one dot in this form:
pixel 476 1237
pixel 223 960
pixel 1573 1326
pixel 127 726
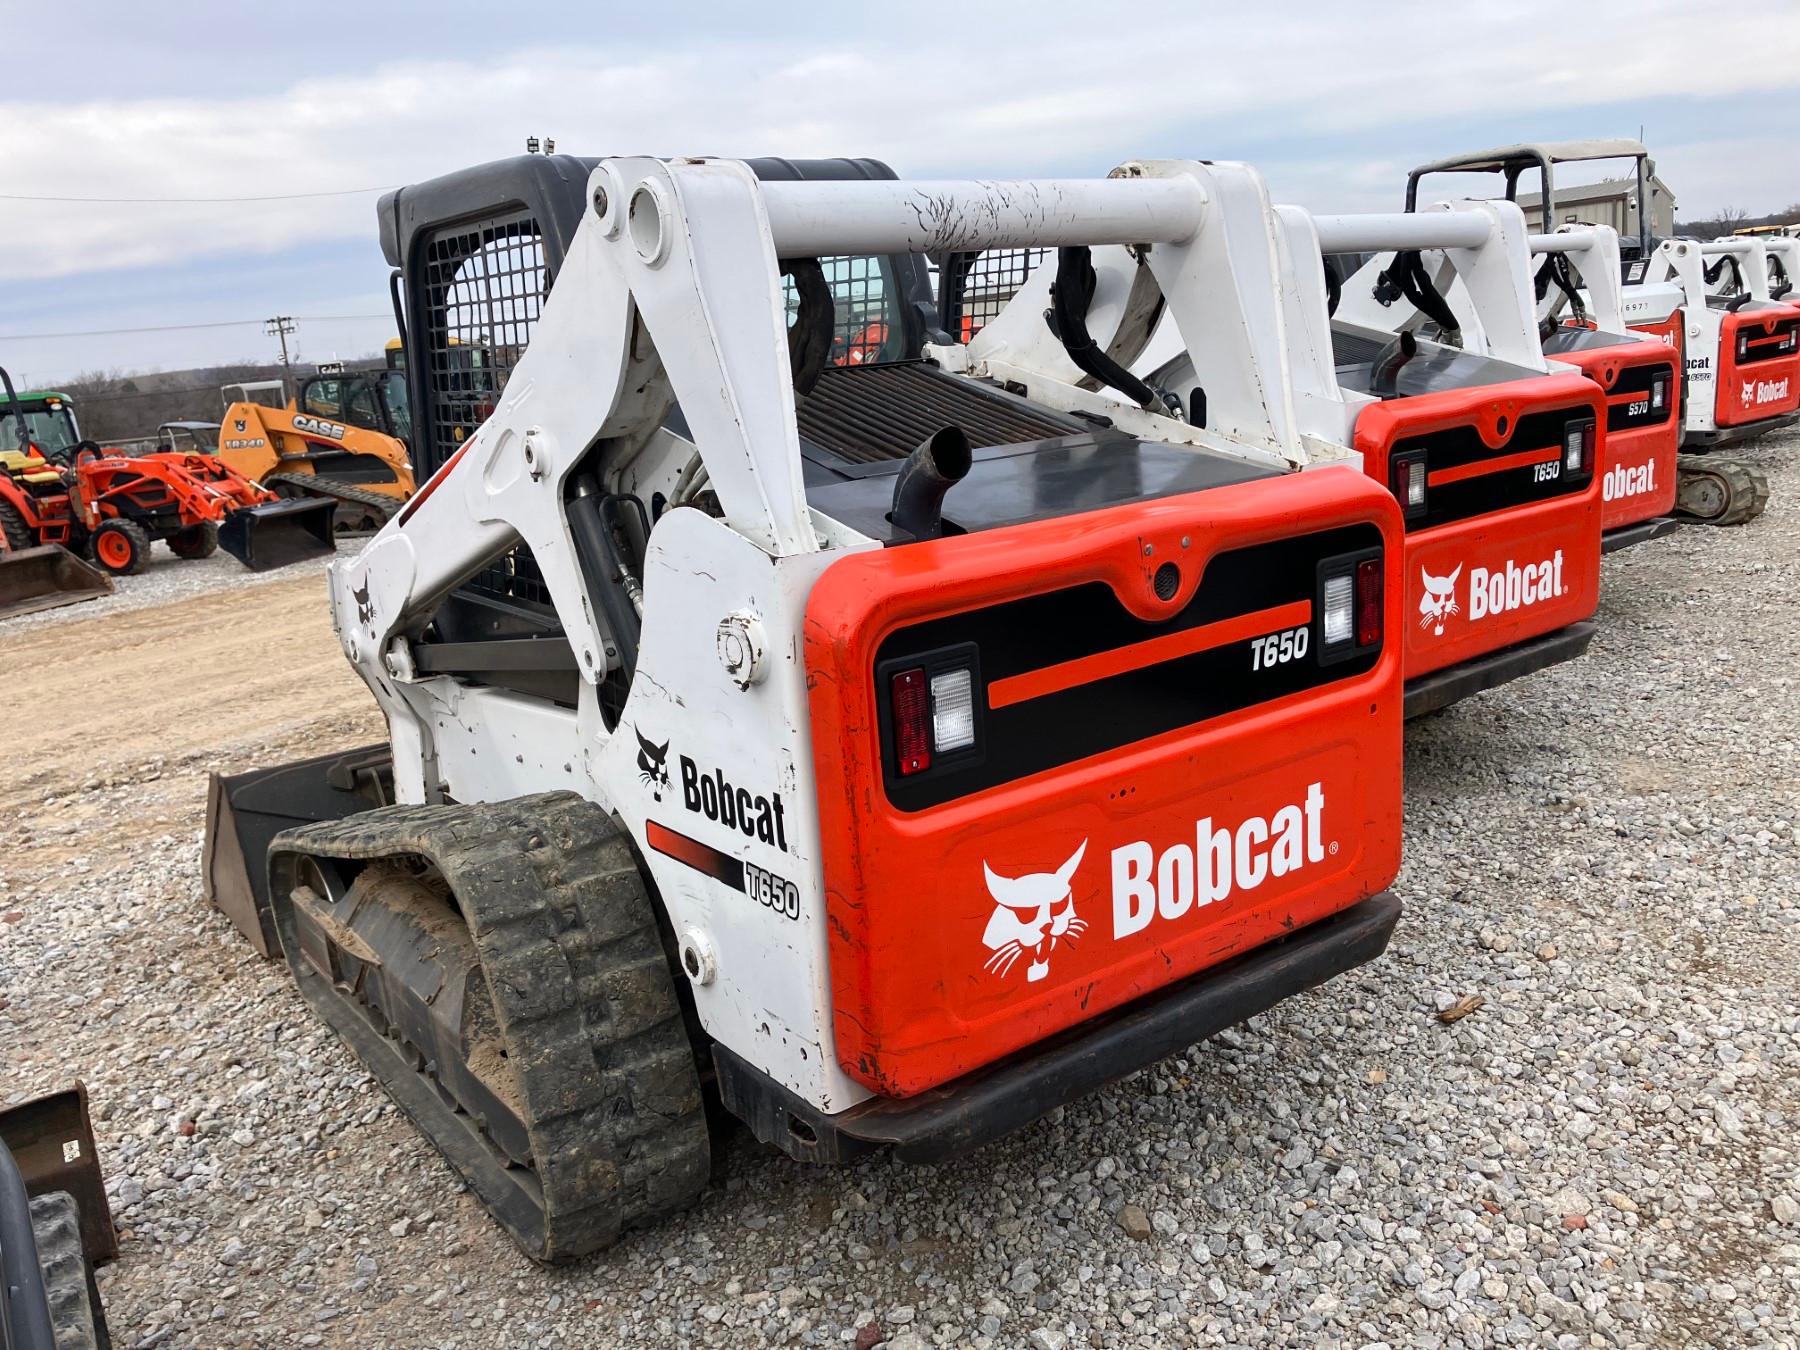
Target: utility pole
pixel 280 326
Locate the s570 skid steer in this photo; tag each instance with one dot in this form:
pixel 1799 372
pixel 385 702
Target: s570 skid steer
pixel 893 755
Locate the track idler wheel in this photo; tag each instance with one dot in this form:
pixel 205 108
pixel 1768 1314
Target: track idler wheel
pixel 500 970
pixel 1719 490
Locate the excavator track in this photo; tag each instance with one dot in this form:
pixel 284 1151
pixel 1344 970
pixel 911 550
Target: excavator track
pixel 360 511
pixel 499 968
pixel 1720 490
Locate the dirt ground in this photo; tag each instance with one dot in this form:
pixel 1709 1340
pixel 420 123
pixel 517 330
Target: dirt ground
pixel 166 694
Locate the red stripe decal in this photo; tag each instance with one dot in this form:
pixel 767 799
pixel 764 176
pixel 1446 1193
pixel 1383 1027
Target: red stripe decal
pixel 1152 652
pixel 701 857
pixel 1499 464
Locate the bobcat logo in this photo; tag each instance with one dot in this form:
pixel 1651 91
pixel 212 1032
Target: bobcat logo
pixel 365 611
pixel 1748 393
pixel 653 766
pixel 1031 914
pixel 1439 601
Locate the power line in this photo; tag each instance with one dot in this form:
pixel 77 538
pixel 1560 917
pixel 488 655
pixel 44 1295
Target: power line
pixel 188 201
pixel 185 327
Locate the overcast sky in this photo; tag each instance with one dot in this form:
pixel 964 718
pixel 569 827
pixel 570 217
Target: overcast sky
pixel 211 99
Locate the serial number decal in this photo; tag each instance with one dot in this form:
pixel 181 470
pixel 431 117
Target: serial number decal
pixel 1277 649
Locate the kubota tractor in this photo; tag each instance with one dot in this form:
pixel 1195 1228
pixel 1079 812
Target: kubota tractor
pixel 889 755
pixel 57 488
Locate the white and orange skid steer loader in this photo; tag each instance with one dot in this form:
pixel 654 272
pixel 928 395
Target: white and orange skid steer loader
pixel 890 754
pixel 1582 327
pixel 1490 453
pixel 1740 355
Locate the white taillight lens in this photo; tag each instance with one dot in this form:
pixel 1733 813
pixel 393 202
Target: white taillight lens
pixel 1406 476
pixel 1340 608
pixel 1575 446
pixel 1659 394
pixel 952 711
pixel 1743 344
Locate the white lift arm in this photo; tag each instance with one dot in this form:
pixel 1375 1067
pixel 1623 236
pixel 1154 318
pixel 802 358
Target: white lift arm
pixel 672 287
pixel 1491 268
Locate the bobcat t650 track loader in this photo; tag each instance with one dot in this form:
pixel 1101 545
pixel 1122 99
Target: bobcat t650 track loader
pixel 894 755
pixel 1491 455
pixel 1581 323
pixel 1740 355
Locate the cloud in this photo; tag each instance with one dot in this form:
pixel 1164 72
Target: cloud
pixel 1333 104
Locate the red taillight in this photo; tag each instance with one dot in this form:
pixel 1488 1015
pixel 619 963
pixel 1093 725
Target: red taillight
pixel 1368 602
pixel 911 710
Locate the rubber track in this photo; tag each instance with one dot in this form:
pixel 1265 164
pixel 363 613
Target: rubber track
pixel 1746 486
pixel 314 485
pixel 75 1315
pixel 585 1002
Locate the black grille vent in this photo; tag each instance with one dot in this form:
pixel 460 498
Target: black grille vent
pixel 869 414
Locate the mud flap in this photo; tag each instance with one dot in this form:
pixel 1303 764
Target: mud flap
pixel 266 537
pixel 245 811
pixel 46 577
pixel 51 1139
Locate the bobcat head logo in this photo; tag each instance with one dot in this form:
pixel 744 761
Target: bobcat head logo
pixel 1031 914
pixel 365 612
pixel 653 767
pixel 1439 601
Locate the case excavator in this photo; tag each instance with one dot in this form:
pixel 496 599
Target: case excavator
pixel 882 753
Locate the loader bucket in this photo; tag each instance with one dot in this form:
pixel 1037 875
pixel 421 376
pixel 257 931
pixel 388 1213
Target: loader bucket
pixel 245 811
pixel 43 578
pixel 52 1141
pixel 290 531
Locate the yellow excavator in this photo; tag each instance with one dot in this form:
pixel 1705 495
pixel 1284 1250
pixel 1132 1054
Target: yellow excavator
pixel 344 436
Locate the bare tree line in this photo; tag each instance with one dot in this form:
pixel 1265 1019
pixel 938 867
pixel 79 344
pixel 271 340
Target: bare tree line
pixel 116 405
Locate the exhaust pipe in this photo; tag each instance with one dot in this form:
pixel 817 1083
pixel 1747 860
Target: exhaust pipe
pixel 1384 376
pixel 280 533
pixel 936 466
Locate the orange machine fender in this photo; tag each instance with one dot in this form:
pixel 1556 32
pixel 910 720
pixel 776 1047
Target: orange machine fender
pixel 1508 546
pixel 1160 783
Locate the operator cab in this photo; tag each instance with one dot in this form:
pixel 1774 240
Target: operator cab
pixel 49 426
pixel 374 400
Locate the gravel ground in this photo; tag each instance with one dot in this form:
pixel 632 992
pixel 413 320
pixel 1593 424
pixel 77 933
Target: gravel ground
pixel 167 579
pixel 1601 1154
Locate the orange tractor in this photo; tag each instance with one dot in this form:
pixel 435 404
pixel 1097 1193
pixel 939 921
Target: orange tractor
pixel 56 488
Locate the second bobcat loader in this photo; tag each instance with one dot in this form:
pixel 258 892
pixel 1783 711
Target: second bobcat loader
pixel 1491 455
pixel 1582 326
pixel 891 756
pixel 1741 357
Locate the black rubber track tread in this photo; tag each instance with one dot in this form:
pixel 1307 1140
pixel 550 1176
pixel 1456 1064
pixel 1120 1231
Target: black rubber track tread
pixel 75 1315
pixel 1746 486
pixel 140 540
pixel 317 485
pixel 18 534
pixel 583 995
